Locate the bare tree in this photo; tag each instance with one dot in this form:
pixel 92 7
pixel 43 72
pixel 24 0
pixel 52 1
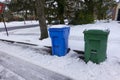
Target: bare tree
pixel 42 19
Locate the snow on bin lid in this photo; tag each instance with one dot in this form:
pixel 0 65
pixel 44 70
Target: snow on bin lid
pixel 59 26
pixel 104 29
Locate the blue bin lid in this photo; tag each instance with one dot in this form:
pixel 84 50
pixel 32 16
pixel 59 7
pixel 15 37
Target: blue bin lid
pixel 59 28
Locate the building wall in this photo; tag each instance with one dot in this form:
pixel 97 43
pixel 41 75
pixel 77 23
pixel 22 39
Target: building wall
pixel 117 8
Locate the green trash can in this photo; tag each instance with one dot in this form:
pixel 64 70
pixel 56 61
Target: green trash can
pixel 95 45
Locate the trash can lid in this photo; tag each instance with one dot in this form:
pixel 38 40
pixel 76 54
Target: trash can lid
pixel 97 30
pixel 59 26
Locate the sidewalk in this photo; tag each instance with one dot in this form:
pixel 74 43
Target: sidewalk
pixel 26 70
pixel 6 74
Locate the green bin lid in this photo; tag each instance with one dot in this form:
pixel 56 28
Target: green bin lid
pixel 96 31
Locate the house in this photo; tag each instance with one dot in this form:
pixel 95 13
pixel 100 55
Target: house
pixel 116 12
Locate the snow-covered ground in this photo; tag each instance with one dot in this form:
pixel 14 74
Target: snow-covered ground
pixel 70 65
pixel 6 74
pixel 16 23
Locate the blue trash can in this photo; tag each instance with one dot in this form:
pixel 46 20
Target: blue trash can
pixel 59 38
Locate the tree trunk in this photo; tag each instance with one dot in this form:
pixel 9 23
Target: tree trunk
pixel 42 20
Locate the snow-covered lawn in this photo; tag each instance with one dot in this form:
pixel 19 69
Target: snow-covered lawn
pixel 16 23
pixel 70 65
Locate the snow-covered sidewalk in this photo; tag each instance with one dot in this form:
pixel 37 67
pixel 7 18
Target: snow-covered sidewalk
pixel 70 65
pixel 25 70
pixel 6 74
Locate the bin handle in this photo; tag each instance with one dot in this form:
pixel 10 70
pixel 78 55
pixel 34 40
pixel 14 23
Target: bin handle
pixel 93 51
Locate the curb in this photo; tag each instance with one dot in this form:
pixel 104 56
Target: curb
pixel 49 50
pixel 18 42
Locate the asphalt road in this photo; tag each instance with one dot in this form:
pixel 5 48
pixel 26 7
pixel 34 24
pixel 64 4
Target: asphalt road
pixel 27 70
pixel 19 27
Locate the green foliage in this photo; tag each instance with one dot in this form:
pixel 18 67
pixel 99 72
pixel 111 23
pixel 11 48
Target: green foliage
pixel 92 9
pixel 101 7
pixel 60 10
pixel 23 7
pixel 82 17
pixel 61 6
pixel 82 12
